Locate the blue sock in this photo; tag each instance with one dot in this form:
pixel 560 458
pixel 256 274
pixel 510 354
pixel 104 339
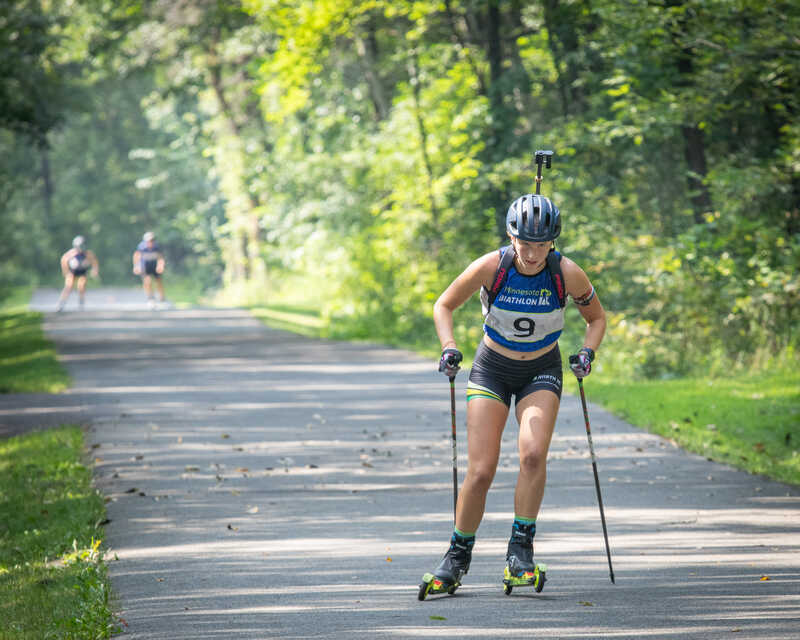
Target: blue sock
pixel 526 525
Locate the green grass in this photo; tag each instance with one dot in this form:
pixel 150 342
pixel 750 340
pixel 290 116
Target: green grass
pixel 183 290
pixel 750 421
pixel 285 317
pixel 28 361
pixel 15 298
pixel 53 581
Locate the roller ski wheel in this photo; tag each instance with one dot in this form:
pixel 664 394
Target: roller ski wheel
pixel 446 578
pixel 535 579
pixel 431 586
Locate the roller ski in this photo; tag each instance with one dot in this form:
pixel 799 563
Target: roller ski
pixel 520 570
pixel 535 579
pixel 446 578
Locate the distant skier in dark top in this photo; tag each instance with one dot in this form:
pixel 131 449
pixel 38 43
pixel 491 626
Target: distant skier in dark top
pixel 148 262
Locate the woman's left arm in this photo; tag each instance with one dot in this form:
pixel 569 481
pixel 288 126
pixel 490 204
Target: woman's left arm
pixel 582 292
pixel 93 261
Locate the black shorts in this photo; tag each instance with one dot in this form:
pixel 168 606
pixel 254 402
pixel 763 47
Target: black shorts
pixel 150 268
pixel 78 272
pixel 497 377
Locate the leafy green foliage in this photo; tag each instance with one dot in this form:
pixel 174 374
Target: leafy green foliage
pixel 371 148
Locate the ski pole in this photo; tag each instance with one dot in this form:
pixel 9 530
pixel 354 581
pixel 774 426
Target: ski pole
pixel 455 449
pixel 596 478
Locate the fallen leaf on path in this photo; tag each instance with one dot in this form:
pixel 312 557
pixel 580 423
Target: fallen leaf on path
pixel 242 469
pixel 132 490
pixel 438 618
pixel 586 603
pixel 225 435
pixel 764 578
pixel 190 467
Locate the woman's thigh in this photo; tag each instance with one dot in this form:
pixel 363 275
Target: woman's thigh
pixel 486 419
pixel 536 414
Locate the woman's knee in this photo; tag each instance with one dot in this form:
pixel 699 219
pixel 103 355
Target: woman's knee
pixel 480 477
pixel 532 458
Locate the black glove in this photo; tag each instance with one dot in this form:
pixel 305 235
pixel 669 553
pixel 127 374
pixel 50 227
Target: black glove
pixel 581 362
pixel 448 363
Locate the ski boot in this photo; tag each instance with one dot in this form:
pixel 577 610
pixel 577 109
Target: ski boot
pixel 446 578
pixel 520 569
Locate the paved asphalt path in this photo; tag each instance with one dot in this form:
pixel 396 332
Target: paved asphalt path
pixel 264 485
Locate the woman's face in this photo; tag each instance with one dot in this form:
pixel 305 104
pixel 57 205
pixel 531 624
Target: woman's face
pixel 531 255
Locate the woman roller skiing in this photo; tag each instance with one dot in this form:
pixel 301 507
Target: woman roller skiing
pixel 518 357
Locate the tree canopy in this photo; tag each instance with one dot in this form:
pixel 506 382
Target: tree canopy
pixel 364 151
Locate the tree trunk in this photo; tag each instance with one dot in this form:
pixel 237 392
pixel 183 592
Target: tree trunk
pixel 367 49
pixel 695 153
pixel 47 188
pixel 423 134
pixel 694 146
pixel 251 237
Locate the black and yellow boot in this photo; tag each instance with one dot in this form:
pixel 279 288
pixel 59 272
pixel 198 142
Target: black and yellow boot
pixel 446 578
pixel 521 570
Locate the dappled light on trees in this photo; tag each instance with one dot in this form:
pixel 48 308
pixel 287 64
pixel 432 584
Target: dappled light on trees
pixel 358 152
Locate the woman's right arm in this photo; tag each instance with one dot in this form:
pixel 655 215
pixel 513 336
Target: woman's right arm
pixel 476 275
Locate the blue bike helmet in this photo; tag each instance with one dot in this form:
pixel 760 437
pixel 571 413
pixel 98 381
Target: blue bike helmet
pixel 533 218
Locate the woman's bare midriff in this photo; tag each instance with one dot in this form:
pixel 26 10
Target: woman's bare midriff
pixel 516 355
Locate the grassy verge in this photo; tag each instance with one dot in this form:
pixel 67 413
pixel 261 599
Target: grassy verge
pixel 749 421
pixel 300 320
pixel 183 290
pixel 28 361
pixel 52 577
